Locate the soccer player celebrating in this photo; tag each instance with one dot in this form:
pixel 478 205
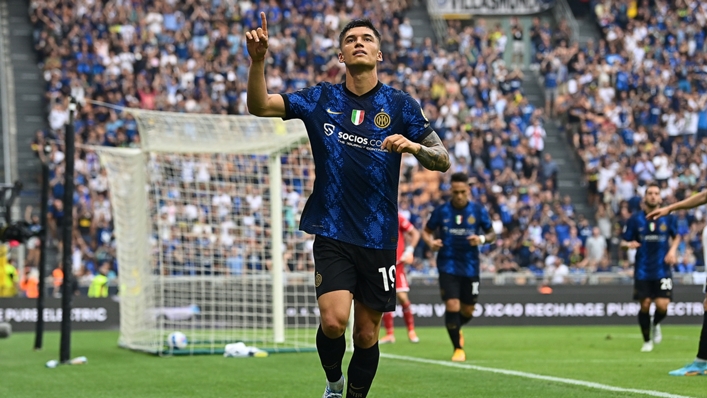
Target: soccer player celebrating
pixel 699 366
pixel 358 131
pixel 462 226
pixel 406 233
pixel 655 255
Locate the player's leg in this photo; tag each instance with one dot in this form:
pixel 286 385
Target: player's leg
pixel 335 280
pixel 663 291
pixel 699 366
pixel 644 321
pixel 468 297
pixel 389 337
pixel 404 301
pixel 374 294
pixel 334 308
pixel 449 288
pixel 402 287
pixel 642 294
pixel 661 311
pixel 364 361
pixel 452 318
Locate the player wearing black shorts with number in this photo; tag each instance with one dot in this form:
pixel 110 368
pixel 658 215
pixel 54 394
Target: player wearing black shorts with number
pixel 461 227
pixel 655 255
pixel 358 130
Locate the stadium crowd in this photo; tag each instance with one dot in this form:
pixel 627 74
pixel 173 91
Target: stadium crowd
pixel 634 105
pixel 190 57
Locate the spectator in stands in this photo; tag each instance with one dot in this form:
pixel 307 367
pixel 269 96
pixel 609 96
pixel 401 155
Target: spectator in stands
pixel 188 58
pixel 596 248
pixel 30 282
pixel 536 136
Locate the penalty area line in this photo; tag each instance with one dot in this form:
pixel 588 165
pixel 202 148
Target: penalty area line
pixel 507 372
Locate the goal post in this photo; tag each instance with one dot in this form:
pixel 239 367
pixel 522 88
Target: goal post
pixel 206 224
pixel 125 169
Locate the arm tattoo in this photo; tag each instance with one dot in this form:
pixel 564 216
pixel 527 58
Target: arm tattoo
pixel 433 155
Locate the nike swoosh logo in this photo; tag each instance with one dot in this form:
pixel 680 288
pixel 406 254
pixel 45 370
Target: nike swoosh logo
pixel 332 112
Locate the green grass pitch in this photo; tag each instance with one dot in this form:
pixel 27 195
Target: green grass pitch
pixel 606 355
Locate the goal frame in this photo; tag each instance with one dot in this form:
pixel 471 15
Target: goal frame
pixel 180 140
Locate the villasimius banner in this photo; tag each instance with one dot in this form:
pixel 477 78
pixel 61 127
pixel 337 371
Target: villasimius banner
pixel 489 7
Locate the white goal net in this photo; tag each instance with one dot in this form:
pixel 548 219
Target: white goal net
pixel 206 218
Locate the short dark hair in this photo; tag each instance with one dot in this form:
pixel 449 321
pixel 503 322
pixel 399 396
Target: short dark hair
pixel 357 23
pixel 460 177
pixel 654 185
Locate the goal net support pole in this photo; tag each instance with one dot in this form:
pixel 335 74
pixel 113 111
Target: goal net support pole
pixel 278 301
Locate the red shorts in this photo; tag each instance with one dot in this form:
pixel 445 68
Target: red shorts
pixel 401 280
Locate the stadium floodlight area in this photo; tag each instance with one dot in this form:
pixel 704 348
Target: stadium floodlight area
pixel 206 216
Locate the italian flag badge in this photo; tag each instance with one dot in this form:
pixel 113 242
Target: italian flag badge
pixel 357 117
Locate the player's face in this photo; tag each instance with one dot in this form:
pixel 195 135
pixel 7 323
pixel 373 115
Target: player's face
pixel 360 47
pixel 652 198
pixel 460 194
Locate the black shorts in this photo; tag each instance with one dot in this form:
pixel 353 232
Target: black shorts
pixel 661 288
pixel 464 288
pixel 369 274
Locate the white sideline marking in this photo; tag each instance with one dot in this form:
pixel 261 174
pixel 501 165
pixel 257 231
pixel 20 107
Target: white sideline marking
pixel 600 361
pixel 639 336
pixel 535 376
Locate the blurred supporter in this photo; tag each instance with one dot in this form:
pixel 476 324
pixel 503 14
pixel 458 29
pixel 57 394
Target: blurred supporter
pixel 189 57
pixel 30 282
pixel 636 109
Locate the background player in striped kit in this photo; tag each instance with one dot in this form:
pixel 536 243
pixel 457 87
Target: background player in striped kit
pixel 655 255
pixel 462 226
pixel 408 237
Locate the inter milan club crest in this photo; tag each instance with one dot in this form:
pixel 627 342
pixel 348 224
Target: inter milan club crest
pixel 382 119
pixel 357 117
pixel 458 219
pixel 651 227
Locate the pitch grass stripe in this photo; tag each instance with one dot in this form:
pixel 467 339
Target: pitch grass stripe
pixel 588 384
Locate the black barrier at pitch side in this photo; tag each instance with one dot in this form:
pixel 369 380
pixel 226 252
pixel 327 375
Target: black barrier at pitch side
pixel 524 305
pixel 498 306
pixel 86 314
pixel 567 305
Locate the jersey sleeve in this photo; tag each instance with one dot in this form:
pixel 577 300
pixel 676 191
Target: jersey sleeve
pixel 417 127
pixel 301 103
pixel 434 222
pixel 673 226
pixel 484 219
pixel 403 224
pixel 629 233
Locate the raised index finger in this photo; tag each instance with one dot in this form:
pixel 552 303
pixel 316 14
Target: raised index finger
pixel 264 22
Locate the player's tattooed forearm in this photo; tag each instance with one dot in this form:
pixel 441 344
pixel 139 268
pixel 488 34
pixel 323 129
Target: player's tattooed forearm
pixel 433 155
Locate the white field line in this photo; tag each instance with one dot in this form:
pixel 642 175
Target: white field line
pixel 638 336
pixel 507 372
pixel 675 361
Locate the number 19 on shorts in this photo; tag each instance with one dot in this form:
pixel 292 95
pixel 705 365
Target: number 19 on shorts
pixel 388 277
